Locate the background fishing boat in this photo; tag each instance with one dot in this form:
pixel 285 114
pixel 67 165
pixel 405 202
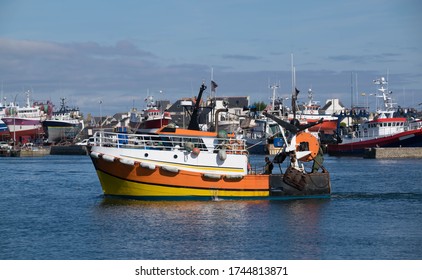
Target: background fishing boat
pixel 63 125
pixel 311 112
pixel 25 122
pixel 259 130
pixel 388 128
pixel 152 117
pixel 259 133
pixel 4 132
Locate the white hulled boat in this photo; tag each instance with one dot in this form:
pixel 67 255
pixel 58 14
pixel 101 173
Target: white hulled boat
pixel 151 117
pixel 64 124
pixel 24 123
pixel 311 113
pixel 386 129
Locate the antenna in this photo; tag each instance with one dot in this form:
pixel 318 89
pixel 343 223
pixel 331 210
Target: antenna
pixel 351 90
pixel 293 75
pixel 274 87
pixel 2 98
pixel 356 89
pixel 294 91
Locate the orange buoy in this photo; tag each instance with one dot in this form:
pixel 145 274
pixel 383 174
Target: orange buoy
pixel 196 151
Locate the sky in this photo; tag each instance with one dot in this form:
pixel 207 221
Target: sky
pixel 108 56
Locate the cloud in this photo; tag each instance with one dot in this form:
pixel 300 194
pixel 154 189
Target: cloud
pixel 367 58
pixel 240 57
pixel 27 49
pixel 73 64
pixel 122 49
pixel 120 73
pixel 82 70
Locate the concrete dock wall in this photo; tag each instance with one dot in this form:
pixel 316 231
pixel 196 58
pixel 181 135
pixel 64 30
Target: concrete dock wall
pixel 384 153
pixel 68 150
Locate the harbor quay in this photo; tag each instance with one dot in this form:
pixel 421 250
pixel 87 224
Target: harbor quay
pixel 390 153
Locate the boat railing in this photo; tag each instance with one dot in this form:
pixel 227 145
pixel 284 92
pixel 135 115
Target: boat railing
pixel 364 134
pixel 384 131
pixel 168 142
pixel 414 125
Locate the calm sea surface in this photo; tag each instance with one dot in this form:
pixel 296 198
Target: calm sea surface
pixel 53 208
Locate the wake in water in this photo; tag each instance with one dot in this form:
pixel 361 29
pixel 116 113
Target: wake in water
pixel 367 195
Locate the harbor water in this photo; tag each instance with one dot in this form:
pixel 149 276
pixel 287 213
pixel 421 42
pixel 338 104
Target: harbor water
pixel 52 207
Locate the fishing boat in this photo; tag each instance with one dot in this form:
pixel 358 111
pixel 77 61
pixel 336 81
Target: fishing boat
pixel 386 129
pixel 151 117
pixel 259 133
pixel 24 122
pixel 3 129
pixel 259 130
pixel 4 132
pixel 310 113
pixel 174 163
pixel 63 125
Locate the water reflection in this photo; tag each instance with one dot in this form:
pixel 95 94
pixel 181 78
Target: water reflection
pixel 224 229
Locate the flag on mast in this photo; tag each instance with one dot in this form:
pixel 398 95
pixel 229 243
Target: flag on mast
pixel 213 86
pixel 296 92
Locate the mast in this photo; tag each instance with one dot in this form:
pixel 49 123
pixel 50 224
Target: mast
pixel 351 90
pixel 1 100
pixel 212 95
pixel 385 94
pixel 28 103
pixel 292 70
pixel 356 89
pixel 295 92
pixel 193 124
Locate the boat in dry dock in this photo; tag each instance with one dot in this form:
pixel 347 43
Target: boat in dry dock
pixel 174 163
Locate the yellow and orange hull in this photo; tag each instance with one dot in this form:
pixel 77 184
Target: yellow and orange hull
pixel 135 181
